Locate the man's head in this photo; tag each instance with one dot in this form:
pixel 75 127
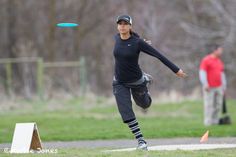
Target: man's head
pixel 218 50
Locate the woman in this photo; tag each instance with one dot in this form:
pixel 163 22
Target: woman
pixel 129 78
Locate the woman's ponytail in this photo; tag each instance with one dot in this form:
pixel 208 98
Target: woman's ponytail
pixel 134 33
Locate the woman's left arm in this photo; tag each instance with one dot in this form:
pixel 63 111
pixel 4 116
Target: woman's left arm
pixel 146 48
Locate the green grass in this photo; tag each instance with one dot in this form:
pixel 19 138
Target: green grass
pixel 99 153
pixel 98 118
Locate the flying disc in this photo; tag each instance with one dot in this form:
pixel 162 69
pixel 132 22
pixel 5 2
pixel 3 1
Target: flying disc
pixel 67 25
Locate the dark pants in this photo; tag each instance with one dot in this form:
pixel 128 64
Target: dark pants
pixel 123 93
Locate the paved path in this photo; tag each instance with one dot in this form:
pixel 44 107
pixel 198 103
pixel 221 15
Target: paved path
pixel 178 147
pixel 129 143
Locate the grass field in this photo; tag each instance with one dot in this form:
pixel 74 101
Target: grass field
pixel 97 118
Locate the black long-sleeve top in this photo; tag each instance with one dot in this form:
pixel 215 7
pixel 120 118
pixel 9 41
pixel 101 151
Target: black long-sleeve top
pixel 126 53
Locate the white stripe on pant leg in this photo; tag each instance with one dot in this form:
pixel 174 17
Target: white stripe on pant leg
pixel 132 122
pixel 137 133
pixel 134 128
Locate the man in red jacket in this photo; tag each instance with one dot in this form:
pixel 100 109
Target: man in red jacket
pixel 213 80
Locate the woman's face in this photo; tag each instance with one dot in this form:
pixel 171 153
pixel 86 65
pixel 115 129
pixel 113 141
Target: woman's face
pixel 123 27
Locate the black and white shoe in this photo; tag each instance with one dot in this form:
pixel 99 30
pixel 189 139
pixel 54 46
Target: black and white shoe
pixel 142 145
pixel 148 78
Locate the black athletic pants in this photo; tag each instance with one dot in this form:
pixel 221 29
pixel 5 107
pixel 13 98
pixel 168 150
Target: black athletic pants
pixel 123 94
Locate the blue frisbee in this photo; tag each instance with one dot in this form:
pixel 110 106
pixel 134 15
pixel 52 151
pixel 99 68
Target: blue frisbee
pixel 67 25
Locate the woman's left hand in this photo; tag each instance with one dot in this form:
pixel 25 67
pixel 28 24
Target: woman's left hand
pixel 182 74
